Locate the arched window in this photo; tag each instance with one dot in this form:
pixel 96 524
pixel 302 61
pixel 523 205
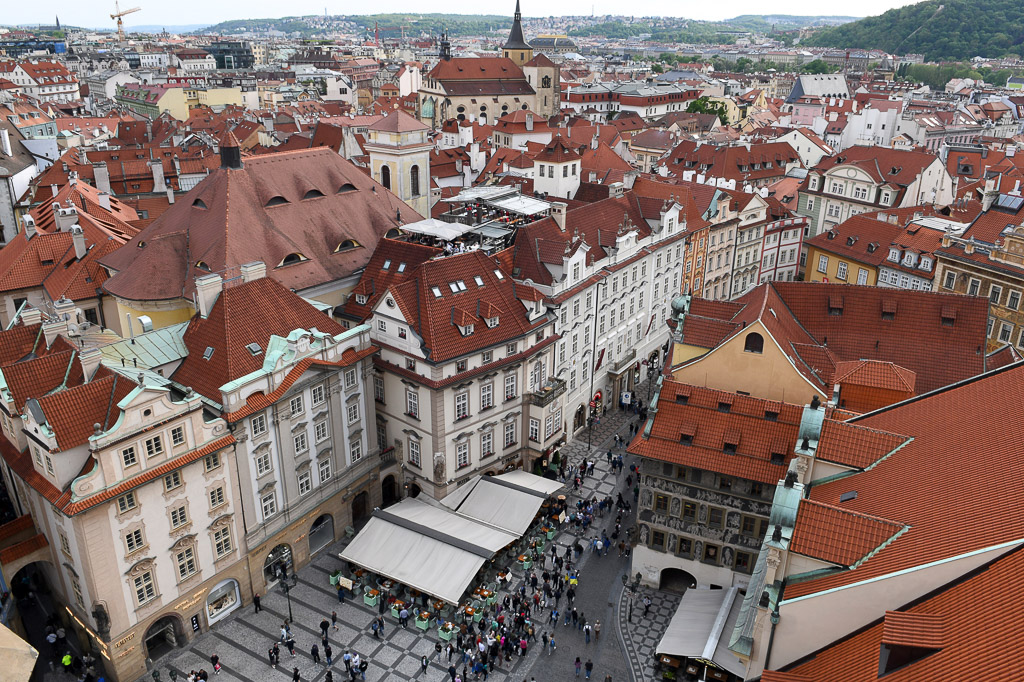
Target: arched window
pixel 414 180
pixel 385 176
pixel 545 82
pixel 754 343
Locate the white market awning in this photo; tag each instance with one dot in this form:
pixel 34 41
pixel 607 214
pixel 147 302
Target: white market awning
pixel 509 501
pixel 438 228
pixel 701 627
pixel 521 204
pixel 429 548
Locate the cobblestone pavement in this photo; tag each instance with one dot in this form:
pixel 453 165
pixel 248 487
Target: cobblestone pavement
pixel 624 651
pixel 640 633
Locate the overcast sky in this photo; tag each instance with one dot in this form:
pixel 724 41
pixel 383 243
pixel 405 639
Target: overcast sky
pixel 95 14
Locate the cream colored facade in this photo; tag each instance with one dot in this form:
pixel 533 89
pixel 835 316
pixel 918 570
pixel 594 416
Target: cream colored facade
pixel 769 374
pixel 401 162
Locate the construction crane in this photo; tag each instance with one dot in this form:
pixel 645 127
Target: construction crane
pixel 120 23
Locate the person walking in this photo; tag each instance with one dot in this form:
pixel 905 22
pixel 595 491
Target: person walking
pixel 291 646
pixel 347 660
pixel 437 650
pixel 341 594
pixel 647 604
pixel 597 630
pixel 256 602
pixel 324 627
pixel 589 667
pixel 330 677
pixel 334 620
pixel 215 663
pixel 551 644
pixel 314 652
pixel 329 655
pixel 586 633
pixel 424 663
pixel 452 672
pixel 578 664
pixel 295 675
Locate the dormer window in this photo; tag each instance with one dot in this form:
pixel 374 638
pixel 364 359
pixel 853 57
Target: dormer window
pixel 387 265
pixel 291 259
pixel 466 330
pixel 361 299
pixel 492 322
pixel 894 255
pixel 346 245
pixel 926 264
pixel 436 291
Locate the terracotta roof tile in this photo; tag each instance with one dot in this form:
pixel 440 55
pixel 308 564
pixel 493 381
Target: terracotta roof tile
pixel 837 535
pixel 856 446
pixel 23 549
pixel 927 630
pixel 72 412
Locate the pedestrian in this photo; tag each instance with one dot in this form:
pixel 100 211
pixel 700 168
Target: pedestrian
pixel 403 617
pixel 552 645
pixel 647 604
pixel 452 672
pixel 329 655
pixel 291 646
pixel 578 664
pixel 324 626
pixel 597 630
pixel 589 667
pixel 256 602
pixel 380 625
pixel 347 660
pixel 330 677
pixel 314 652
pixel 334 619
pixel 362 669
pixel 375 628
pixel 295 675
pixel 437 650
pixel 66 661
pixel 215 662
pixel 586 633
pixel 341 594
pixel 424 663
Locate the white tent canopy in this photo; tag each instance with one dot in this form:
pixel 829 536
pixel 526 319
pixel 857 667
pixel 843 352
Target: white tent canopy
pixel 701 626
pixel 438 228
pixel 438 548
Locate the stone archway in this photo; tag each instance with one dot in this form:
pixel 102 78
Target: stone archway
pixel 279 558
pixel 321 533
pixel 676 580
pixel 360 510
pixel 579 419
pixel 164 636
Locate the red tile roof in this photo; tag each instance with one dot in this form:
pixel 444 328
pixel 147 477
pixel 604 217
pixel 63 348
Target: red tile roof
pixel 402 258
pixel 837 535
pixel 306 202
pixel 72 412
pixel 958 424
pixel 728 162
pixel 963 620
pixel 875 373
pixel 854 445
pixel 557 151
pixel 23 549
pixel 243 314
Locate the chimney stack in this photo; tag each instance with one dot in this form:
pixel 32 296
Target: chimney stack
pixel 170 194
pixel 102 176
pixel 253 271
pixel 157 167
pixel 90 359
pixel 5 142
pixel 208 288
pixel 31 316
pixel 78 238
pixel 105 200
pixel 529 121
pixel 558 213
pixel 30 226
pixel 230 152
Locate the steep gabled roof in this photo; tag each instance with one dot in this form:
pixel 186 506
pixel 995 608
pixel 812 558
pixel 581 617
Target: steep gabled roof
pixel 837 535
pixel 402 259
pixel 71 413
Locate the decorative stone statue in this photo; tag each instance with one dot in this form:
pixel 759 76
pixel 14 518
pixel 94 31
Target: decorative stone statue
pixel 643 535
pixel 439 467
pixel 646 497
pixel 727 556
pixel 676 505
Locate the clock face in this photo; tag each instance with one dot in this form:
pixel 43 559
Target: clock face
pixel 389 302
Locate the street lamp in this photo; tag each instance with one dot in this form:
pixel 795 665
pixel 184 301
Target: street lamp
pixel 288 583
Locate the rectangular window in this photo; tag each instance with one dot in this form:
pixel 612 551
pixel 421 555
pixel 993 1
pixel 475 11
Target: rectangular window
pixel 179 517
pixel 462 455
pixel 186 560
pixel 65 546
pixel 319 393
pixel 222 542
pixel 486 357
pixel 862 276
pixel 974 288
pixel 535 430
pixel 994 294
pixel 129 457
pixel 658 540
pixel 320 431
pixel 823 264
pixel 510 386
pixel 76 588
pixel 305 483
pixel 841 271
pixel 486 396
pixel 126 502
pixel 350 382
pixel 154 446
pixel 258 425
pixel 300 443
pixel 133 541
pixel 716 517
pixel 216 497
pixel 378 388
pixel 661 503
pixel 356 450
pixel 295 404
pixel 412 403
pixel 744 562
pixel 710 554
pixel 1013 300
pixel 211 462
pixel 486 444
pixel 144 590
pixel 685 548
pixel 324 468
pixel 462 405
pixel 949 280
pixel 263 465
pixel 353 413
pixel 690 511
pixel 414 452
pixel 510 432
pixel 49 465
pixel 410 364
pixel 178 435
pixel 511 349
pixel 269 504
pixel 1005 332
pixel 172 480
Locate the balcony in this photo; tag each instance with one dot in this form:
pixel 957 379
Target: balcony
pixel 387 456
pixel 624 362
pixel 548 392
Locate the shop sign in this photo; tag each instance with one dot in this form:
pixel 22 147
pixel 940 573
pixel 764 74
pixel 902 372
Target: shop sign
pixel 124 640
pixel 126 652
pixel 195 623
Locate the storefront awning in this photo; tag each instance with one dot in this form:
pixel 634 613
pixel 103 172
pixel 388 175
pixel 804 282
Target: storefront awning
pixel 427 547
pixel 521 204
pixel 492 231
pixel 437 228
pixel 701 627
pixel 509 501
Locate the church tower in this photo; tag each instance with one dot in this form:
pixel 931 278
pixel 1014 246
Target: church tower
pixel 399 152
pixel 516 48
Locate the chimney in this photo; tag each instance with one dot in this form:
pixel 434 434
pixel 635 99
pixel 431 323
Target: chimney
pixel 615 190
pixel 230 152
pixel 31 316
pixel 105 200
pixel 90 359
pixel 54 189
pixel 5 142
pixel 157 167
pixel 208 288
pixel 253 271
pixel 558 213
pixel 529 121
pixel 51 330
pixel 990 194
pixel 170 194
pixel 102 176
pixel 78 237
pixel 30 226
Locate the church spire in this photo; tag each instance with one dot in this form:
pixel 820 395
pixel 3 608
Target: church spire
pixel 516 40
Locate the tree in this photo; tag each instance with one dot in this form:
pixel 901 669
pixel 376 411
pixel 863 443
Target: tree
pixel 743 64
pixel 702 105
pixel 658 68
pixel 818 66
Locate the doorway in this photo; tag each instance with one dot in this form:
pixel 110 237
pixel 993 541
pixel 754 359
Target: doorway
pixel 279 558
pixel 321 533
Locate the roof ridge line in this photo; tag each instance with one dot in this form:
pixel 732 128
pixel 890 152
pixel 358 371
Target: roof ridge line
pixel 853 512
